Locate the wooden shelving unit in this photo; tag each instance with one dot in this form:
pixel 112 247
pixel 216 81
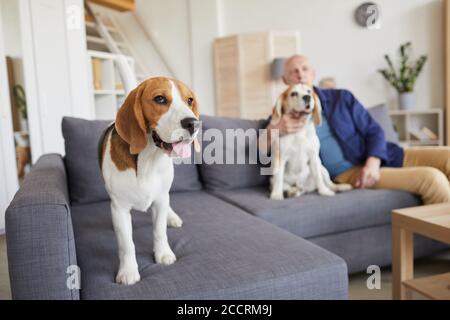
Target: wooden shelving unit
pixel 106 87
pixel 408 122
pixel 96 43
pixel 106 94
pixel 242 64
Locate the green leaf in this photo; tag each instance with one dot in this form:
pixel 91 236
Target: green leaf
pixel 405 78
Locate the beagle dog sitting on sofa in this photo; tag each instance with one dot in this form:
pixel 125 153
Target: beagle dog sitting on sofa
pixel 298 168
pixel 158 120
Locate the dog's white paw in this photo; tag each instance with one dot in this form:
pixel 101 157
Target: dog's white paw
pixel 165 257
pixel 344 187
pixel 276 196
pixel 294 192
pixel 174 221
pixel 128 276
pixel 326 192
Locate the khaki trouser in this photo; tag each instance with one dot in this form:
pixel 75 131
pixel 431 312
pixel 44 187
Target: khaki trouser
pixel 425 171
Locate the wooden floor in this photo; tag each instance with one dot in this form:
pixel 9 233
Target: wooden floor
pixel 357 284
pixel 5 291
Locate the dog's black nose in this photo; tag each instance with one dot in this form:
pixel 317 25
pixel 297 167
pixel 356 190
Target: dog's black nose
pixel 190 124
pixel 307 99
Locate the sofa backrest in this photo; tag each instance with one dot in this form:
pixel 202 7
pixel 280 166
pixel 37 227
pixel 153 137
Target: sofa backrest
pixel 83 171
pixel 86 184
pixel 380 114
pixel 241 139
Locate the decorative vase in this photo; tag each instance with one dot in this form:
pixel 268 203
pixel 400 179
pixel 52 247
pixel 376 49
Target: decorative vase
pixel 407 100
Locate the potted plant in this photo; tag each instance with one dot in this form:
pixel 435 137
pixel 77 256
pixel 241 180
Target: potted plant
pixel 19 95
pixel 404 79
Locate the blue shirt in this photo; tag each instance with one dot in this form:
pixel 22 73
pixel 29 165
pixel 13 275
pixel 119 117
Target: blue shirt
pixel 357 133
pixel 330 151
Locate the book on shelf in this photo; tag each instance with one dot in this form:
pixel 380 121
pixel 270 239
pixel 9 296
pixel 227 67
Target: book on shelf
pixel 430 134
pixel 119 86
pixel 423 134
pixel 97 73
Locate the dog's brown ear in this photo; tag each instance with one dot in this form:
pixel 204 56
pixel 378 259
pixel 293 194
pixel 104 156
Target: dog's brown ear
pixel 195 106
pixel 317 118
pixel 130 121
pixel 277 111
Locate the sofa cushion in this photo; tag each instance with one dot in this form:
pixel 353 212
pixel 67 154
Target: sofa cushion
pixel 222 253
pixel 380 114
pixel 85 181
pixel 313 215
pixel 223 176
pixel 83 172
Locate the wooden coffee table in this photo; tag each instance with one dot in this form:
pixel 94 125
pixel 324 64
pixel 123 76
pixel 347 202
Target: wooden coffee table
pixel 432 221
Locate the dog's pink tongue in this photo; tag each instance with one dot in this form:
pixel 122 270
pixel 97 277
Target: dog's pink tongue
pixel 182 150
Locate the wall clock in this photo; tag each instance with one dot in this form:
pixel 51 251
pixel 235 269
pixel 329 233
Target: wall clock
pixel 368 15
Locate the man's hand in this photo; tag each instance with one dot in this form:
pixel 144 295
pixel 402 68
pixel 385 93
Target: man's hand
pixel 288 124
pixel 370 174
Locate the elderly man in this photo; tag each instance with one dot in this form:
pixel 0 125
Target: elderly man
pixel 354 149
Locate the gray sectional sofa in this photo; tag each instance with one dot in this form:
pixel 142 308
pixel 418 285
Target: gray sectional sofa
pixel 235 243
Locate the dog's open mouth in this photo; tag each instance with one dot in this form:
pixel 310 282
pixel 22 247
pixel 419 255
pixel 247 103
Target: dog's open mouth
pixel 181 148
pixel 299 114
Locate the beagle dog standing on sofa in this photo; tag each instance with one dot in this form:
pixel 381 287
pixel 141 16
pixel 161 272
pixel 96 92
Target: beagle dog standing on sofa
pixel 298 168
pixel 158 120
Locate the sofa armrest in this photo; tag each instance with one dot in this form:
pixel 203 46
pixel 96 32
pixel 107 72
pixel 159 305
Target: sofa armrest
pixel 39 235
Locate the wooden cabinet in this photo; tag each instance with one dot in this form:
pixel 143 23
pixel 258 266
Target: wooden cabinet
pixel 242 63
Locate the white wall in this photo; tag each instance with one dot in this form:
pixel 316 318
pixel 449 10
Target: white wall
pixel 144 52
pixel 339 48
pixel 11 25
pixel 12 40
pixel 204 28
pixel 167 22
pixel 185 29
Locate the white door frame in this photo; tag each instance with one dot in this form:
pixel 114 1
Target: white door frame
pixel 33 106
pixel 78 101
pixel 8 169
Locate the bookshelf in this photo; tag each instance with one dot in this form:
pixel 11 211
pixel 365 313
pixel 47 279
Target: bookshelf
pixel 95 42
pixel 106 86
pixel 419 127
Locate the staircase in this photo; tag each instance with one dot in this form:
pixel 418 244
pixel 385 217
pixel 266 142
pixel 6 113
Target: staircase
pixel 104 35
